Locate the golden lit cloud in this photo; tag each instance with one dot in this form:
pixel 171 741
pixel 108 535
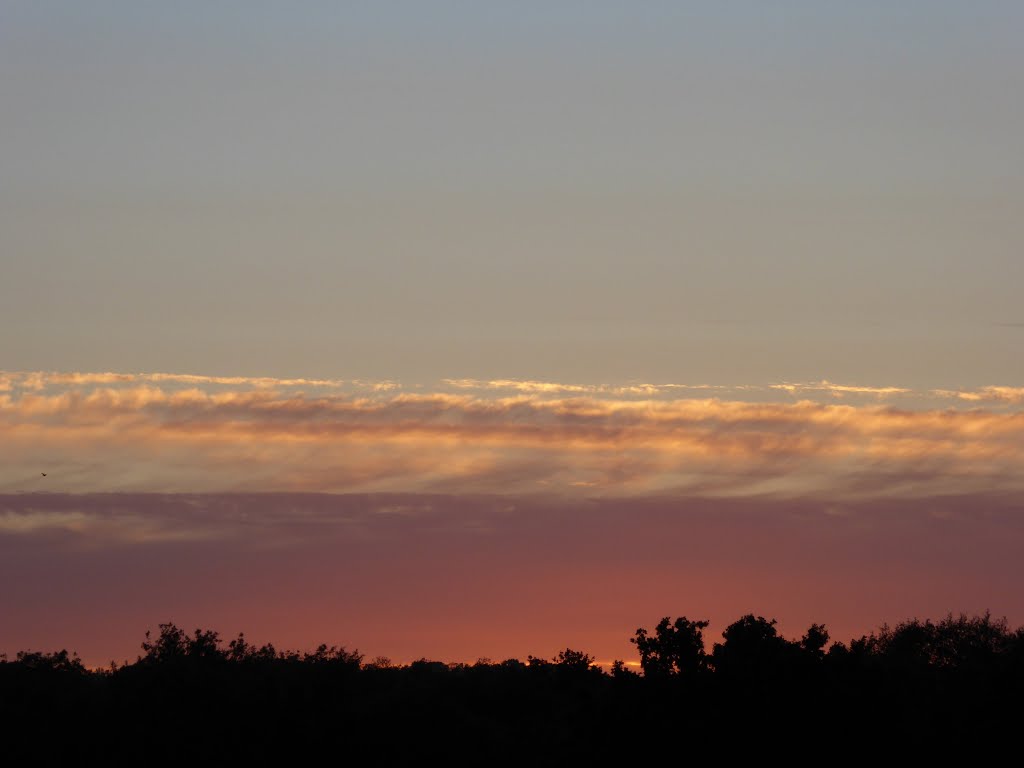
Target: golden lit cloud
pixel 1011 395
pixel 37 380
pixel 164 432
pixel 558 388
pixel 839 390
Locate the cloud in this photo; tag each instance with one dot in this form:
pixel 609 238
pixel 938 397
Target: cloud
pixel 991 394
pixel 109 528
pixel 558 388
pixel 840 390
pixel 38 380
pixel 180 434
pixel 41 381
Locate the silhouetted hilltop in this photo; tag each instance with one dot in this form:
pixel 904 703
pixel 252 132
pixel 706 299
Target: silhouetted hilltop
pixel 953 684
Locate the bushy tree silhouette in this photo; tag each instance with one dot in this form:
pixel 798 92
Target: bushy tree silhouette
pixel 814 641
pixel 953 643
pixel 620 671
pixel 752 649
pixel 174 645
pixel 676 648
pixel 59 661
pixel 956 681
pixel 574 660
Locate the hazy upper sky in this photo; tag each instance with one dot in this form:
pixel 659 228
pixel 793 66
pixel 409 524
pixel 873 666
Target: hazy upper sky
pixel 727 192
pixel 577 314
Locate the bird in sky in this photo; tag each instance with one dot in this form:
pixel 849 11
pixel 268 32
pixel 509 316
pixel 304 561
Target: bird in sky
pixel 43 474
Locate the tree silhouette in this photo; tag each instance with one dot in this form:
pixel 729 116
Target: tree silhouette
pixel 753 649
pixel 620 671
pixel 59 661
pixel 814 641
pixel 174 645
pixel 957 681
pixel 573 660
pixel 676 648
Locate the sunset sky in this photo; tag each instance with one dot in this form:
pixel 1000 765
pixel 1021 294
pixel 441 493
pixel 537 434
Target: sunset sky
pixel 462 329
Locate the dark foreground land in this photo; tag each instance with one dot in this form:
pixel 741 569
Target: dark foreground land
pixel 922 688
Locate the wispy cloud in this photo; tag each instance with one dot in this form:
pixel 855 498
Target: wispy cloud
pixel 179 434
pixel 839 390
pixel 993 394
pixel 115 526
pixel 558 388
pixel 39 380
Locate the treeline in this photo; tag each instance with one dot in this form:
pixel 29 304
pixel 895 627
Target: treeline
pixel 955 683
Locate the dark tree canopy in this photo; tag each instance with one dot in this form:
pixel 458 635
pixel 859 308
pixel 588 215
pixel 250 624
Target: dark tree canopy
pixel 956 682
pixel 676 648
pixel 751 648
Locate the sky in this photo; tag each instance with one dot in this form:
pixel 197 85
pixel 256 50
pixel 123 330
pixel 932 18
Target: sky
pixel 448 328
